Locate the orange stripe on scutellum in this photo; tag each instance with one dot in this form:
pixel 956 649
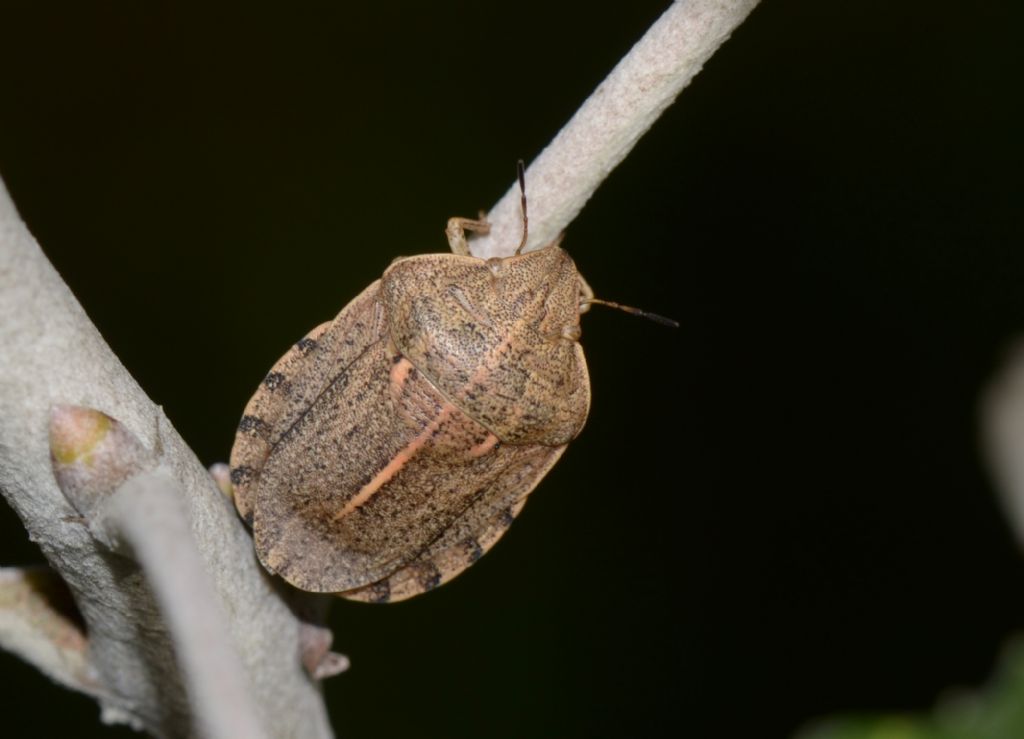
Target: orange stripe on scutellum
pixel 397 463
pixel 400 372
pixel 479 450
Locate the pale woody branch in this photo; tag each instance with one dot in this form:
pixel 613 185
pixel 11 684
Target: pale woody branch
pixel 145 519
pixel 607 126
pixel 52 355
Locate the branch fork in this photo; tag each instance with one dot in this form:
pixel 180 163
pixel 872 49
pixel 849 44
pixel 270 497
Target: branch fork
pixel 186 633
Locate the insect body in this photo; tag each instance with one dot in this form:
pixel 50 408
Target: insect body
pixel 391 447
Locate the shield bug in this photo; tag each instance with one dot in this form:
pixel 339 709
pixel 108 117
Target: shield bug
pixel 390 448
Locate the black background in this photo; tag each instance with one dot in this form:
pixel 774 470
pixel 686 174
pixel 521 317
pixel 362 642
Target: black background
pixel 776 512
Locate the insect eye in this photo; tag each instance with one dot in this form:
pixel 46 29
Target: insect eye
pixel 584 302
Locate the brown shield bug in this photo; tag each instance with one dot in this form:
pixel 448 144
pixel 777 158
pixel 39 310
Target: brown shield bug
pixel 393 446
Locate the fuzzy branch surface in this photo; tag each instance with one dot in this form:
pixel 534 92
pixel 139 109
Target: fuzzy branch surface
pixel 607 126
pixel 52 355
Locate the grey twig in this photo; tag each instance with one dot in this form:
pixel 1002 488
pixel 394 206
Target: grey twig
pixel 624 106
pixel 52 355
pixel 145 655
pixel 145 519
pixel 37 624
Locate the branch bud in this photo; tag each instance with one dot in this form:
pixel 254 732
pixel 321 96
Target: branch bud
pixel 92 454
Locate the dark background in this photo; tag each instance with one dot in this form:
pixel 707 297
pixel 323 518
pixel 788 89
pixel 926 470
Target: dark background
pixel 776 512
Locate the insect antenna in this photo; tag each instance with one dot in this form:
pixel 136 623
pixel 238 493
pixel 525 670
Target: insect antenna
pixel 521 173
pixel 634 311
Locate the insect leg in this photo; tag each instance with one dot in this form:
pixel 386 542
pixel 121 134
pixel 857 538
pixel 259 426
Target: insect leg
pixel 456 232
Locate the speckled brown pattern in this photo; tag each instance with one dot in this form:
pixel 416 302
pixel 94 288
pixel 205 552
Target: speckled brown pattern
pixel 389 449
